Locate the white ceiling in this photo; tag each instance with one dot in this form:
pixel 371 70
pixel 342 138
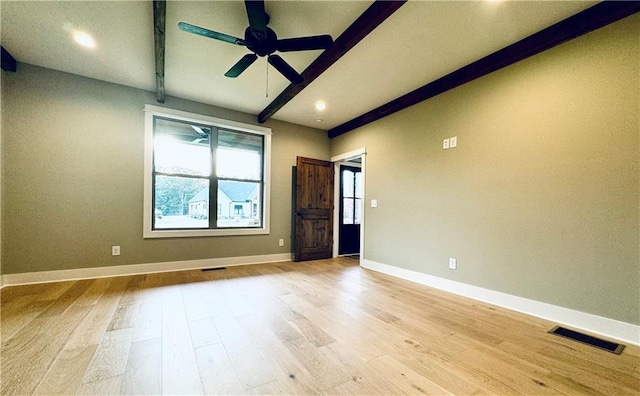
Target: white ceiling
pixel 422 41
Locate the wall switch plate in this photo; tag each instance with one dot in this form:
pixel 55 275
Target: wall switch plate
pixel 374 203
pixel 445 144
pixel 453 141
pixel 115 250
pixel 281 242
pixel 453 263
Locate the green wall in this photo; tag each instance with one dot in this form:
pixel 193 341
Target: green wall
pixel 541 197
pixel 72 176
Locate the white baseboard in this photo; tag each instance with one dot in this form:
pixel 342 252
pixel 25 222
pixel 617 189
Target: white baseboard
pixel 580 320
pixel 135 269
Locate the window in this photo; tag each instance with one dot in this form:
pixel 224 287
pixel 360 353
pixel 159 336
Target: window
pixel 351 184
pixel 204 176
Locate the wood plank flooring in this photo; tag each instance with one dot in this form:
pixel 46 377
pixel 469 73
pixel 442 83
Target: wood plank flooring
pixel 320 327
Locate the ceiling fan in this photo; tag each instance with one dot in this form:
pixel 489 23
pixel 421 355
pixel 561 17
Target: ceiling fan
pixel 263 41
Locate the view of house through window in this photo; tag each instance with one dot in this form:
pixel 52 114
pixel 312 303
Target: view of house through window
pixel 205 176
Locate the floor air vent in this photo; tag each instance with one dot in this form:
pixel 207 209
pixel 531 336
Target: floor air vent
pixel 589 340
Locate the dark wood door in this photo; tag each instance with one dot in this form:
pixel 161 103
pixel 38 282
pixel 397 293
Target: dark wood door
pixel 313 209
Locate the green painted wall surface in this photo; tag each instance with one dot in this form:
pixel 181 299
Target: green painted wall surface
pixel 541 197
pixel 72 166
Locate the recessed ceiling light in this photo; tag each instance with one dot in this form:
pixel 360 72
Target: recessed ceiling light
pixel 318 119
pixel 320 106
pixel 84 39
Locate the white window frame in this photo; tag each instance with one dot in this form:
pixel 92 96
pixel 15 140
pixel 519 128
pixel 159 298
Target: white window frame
pixel 152 111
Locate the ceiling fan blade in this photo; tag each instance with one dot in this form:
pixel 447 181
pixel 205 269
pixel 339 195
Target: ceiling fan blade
pixel 257 18
pixel 286 70
pixel 241 65
pixel 186 27
pixel 305 43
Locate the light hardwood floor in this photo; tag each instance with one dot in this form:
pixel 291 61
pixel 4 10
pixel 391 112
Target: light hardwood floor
pixel 321 327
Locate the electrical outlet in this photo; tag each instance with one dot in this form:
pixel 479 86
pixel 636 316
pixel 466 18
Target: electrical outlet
pixel 281 242
pixel 453 142
pixel 115 250
pixel 445 144
pixel 453 263
pixel 374 203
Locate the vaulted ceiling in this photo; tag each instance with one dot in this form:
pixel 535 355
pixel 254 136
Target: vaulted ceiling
pixel 420 42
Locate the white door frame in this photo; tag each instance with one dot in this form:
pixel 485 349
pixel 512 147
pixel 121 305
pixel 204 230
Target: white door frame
pixel 337 160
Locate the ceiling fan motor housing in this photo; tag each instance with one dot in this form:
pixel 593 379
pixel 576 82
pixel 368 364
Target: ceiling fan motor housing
pixel 262 47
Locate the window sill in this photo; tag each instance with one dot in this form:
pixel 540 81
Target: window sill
pixel 203 233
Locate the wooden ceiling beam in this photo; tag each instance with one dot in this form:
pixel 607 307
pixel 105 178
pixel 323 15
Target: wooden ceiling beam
pixel 159 24
pixel 8 62
pixel 359 29
pixel 583 22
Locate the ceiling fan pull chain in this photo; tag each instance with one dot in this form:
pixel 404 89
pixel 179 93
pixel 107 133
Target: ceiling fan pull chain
pixel 266 93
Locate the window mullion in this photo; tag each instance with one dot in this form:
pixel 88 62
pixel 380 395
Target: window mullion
pixel 239 180
pixel 354 197
pixel 153 199
pixel 186 175
pixel 213 181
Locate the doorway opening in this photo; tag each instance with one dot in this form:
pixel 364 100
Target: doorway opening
pixel 350 208
pixel 349 174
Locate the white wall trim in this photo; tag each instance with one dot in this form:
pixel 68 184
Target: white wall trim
pixel 350 155
pixel 615 329
pixel 152 111
pixel 136 269
pixel 338 160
